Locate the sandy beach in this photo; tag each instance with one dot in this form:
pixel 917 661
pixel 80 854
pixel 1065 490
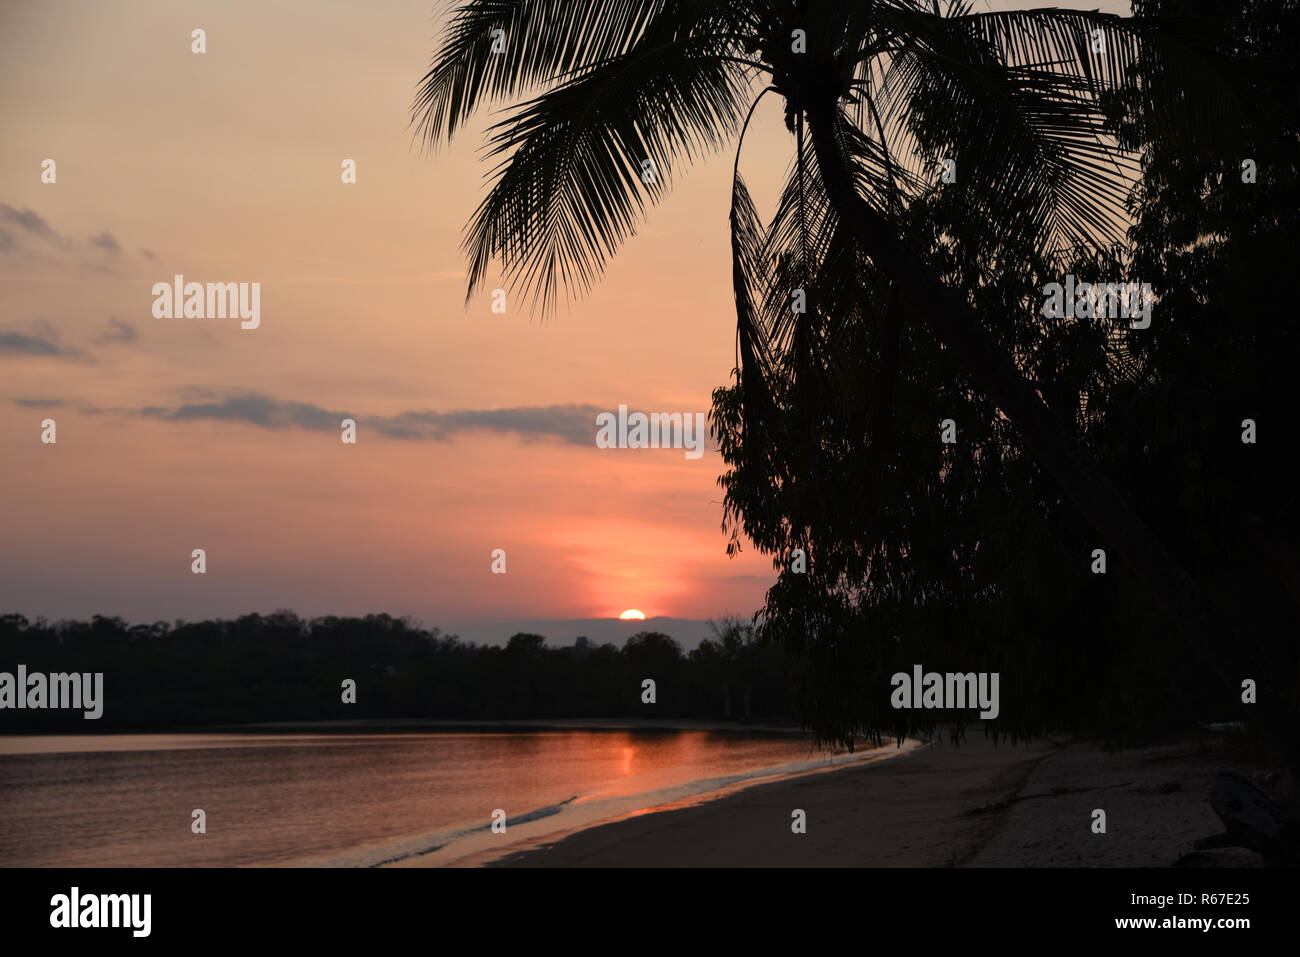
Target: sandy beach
pixel 974 805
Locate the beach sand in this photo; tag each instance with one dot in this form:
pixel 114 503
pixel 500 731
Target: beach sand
pixel 976 804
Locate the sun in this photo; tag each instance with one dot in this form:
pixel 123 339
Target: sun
pixel 632 614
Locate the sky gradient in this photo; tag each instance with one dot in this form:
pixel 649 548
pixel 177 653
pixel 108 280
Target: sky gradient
pixel 475 430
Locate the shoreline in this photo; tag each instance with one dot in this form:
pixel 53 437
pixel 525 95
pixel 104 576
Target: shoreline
pixel 393 725
pixel 416 725
pixel 534 830
pixel 488 856
pixel 973 805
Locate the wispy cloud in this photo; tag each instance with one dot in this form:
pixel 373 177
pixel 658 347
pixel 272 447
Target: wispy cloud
pixel 573 424
pixel 23 344
pixel 39 403
pixel 26 236
pixel 252 409
pixel 107 242
pixel 119 333
pixel 29 222
pixel 39 338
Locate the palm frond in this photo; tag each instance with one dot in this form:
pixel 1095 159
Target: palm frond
pixel 1024 124
pixel 1186 94
pixel 541 40
pixel 753 362
pixel 1099 48
pixel 570 187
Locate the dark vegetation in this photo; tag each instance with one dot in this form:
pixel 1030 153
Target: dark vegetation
pixel 278 667
pixel 974 556
pixel 1109 148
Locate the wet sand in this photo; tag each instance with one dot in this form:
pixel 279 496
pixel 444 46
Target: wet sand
pixel 975 805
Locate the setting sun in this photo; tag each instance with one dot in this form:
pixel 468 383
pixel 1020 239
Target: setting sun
pixel 632 615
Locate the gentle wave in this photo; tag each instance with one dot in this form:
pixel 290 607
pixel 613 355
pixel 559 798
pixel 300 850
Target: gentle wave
pixel 576 813
pixel 450 837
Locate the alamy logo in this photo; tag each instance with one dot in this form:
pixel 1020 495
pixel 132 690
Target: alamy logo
pixel 1086 300
pixel 946 691
pixel 103 910
pixel 659 430
pixel 58 690
pixel 214 300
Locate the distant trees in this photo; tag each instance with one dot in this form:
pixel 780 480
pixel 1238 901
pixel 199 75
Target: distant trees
pixel 279 667
pixel 735 660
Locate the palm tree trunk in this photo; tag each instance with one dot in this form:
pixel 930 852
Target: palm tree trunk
pixel 1047 438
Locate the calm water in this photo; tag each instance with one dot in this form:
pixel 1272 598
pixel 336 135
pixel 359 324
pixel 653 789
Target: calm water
pixel 352 800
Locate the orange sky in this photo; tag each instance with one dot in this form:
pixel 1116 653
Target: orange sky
pixel 225 167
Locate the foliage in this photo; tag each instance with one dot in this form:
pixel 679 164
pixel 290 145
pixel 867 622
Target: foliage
pixel 278 667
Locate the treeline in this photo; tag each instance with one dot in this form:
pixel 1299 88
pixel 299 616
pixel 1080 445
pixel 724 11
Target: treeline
pixel 279 667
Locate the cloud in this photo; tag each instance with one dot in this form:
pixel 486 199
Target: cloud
pixel 41 339
pixel 25 233
pixel 107 242
pixel 119 333
pixel 573 424
pixel 29 222
pixel 39 403
pixel 17 342
pixel 253 409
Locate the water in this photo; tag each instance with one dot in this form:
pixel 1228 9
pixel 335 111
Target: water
pixel 353 800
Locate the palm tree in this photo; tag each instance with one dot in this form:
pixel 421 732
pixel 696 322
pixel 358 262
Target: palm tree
pixel 878 94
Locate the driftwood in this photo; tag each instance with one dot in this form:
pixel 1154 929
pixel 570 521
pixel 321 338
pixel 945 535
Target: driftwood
pixel 1254 820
